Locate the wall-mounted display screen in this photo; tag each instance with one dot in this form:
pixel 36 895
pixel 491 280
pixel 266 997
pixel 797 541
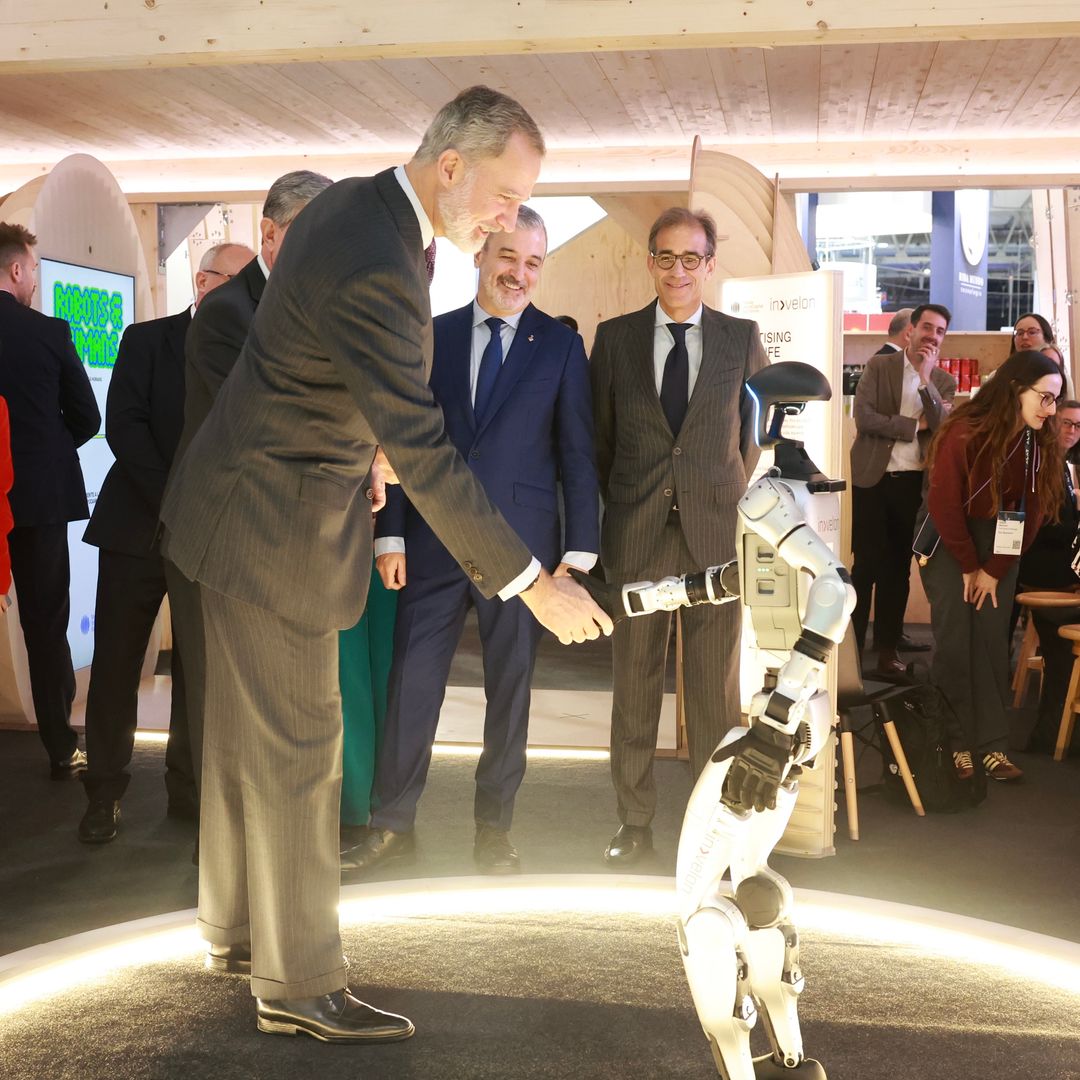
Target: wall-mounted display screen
pixel 99 305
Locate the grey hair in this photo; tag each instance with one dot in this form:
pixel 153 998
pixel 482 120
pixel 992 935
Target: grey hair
pixel 679 215
pixel 211 253
pixel 900 321
pixel 478 124
pixel 289 194
pixel 527 218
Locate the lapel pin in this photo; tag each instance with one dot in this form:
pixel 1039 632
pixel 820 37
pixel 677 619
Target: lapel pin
pixel 532 337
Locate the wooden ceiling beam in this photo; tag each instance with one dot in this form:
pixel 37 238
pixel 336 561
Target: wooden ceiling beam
pixel 838 166
pixel 71 35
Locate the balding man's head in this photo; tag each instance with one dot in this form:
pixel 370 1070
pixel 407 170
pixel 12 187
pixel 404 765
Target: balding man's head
pixel 218 264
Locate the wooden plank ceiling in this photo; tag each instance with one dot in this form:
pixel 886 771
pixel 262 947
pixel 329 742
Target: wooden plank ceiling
pixel 787 108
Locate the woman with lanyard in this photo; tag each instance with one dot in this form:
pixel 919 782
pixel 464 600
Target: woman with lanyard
pixel 995 475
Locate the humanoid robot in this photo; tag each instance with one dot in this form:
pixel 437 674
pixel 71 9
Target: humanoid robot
pixel 739 946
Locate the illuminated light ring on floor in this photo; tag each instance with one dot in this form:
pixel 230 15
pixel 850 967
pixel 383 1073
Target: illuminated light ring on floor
pixel 45 970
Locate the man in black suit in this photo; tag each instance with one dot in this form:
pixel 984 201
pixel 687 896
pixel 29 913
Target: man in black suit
pixel 214 340
pixel 143 418
pixel 267 510
pixel 53 412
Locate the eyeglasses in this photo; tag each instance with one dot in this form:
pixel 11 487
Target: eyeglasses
pixel 1029 331
pixel 691 260
pixel 228 277
pixel 1071 425
pixel 1045 400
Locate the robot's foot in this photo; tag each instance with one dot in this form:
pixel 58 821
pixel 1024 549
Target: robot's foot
pixel 765 1068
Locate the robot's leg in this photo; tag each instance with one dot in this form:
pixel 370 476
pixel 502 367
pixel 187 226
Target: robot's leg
pixel 712 940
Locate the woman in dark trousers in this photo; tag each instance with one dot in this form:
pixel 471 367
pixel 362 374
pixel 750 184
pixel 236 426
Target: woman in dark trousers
pixel 993 457
pixel 1047 566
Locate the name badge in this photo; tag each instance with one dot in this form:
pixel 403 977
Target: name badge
pixel 1009 534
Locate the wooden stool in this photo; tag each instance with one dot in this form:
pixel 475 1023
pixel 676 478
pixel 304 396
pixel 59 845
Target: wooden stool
pixel 1028 660
pixel 1072 705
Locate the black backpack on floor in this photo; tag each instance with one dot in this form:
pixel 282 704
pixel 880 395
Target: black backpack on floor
pixel 919 715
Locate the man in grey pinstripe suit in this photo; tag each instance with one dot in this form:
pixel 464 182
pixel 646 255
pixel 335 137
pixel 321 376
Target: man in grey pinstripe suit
pixel 675 448
pixel 268 512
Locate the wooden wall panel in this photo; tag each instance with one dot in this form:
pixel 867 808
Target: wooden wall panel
pixel 596 276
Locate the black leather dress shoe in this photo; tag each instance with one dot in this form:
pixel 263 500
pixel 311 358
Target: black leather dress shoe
pixel 336 1017
pixel 230 959
pixel 379 846
pixel 493 852
pixel 71 768
pixel 628 845
pixel 100 822
pixel 351 835
pixel 906 644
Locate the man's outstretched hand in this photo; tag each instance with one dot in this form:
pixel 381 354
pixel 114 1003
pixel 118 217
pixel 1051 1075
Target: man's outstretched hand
pixel 566 609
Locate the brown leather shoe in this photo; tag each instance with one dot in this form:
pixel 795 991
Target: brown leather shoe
pixel 334 1017
pixel 964 766
pixel 379 846
pixel 999 767
pixel 493 851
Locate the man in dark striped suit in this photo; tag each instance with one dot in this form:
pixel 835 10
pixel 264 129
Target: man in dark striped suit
pixel 675 448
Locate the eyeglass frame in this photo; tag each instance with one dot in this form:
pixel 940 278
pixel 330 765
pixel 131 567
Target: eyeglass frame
pixel 1071 425
pixel 1046 399
pixel 656 256
pixel 227 277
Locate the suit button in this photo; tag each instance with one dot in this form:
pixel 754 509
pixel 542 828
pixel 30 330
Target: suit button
pixel 369 494
pixel 474 454
pixel 677 451
pixel 468 566
pixel 477 576
pixel 668 493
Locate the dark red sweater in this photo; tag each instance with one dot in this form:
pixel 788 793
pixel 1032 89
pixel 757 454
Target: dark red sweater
pixel 950 490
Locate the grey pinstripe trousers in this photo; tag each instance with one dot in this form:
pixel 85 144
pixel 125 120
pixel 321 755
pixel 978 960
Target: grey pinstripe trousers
pixel 711 639
pixel 268 848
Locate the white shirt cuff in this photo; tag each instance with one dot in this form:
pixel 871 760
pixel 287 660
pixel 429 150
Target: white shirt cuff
pixel 526 577
pixel 581 560
pixel 390 545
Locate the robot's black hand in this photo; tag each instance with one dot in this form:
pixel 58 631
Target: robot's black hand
pixel 760 759
pixel 608 597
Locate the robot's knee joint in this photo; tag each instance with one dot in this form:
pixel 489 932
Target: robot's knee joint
pixel 761 901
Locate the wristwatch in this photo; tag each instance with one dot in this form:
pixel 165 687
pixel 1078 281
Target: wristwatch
pixel 533 582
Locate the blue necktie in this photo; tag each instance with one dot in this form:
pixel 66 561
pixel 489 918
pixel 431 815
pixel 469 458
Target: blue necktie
pixel 490 364
pixel 675 385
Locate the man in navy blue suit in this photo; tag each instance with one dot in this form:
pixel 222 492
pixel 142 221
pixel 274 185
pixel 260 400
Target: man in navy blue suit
pixel 513 384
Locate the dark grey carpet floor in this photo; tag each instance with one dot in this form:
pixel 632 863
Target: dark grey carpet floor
pixel 568 997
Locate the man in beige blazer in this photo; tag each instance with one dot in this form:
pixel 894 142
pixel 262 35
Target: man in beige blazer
pixel 900 400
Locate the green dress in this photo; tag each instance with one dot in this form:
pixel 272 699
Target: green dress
pixel 364 655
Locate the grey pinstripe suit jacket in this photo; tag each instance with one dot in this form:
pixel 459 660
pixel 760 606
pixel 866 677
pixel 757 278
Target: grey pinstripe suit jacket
pixel 643 468
pixel 268 504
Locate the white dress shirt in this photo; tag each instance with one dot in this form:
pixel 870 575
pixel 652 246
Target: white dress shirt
pixel 907 456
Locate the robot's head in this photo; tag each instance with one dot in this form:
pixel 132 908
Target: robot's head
pixel 783 389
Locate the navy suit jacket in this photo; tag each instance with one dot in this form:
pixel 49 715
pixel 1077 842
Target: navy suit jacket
pixel 53 411
pixel 538 429
pixel 144 415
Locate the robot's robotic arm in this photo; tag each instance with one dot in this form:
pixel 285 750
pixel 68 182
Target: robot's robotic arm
pixel 739 946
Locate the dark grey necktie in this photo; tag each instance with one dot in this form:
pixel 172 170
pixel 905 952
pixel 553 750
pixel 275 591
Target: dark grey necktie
pixel 675 385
